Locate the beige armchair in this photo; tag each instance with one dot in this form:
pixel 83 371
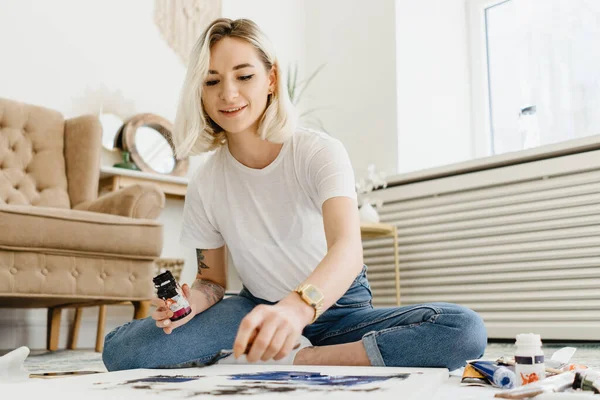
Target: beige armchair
pixel 60 244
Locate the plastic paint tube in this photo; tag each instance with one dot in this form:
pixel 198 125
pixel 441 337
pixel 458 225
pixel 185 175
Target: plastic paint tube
pixel 498 375
pixel 587 380
pixel 573 367
pixel 556 383
pixel 472 377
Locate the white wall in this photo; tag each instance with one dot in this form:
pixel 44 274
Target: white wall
pixel 282 21
pixel 56 57
pixel 56 52
pixel 356 90
pixel 433 87
pixel 395 88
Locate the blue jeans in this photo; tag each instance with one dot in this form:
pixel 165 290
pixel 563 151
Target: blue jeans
pixel 425 335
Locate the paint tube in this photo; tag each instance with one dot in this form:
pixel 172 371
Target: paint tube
pixel 472 377
pixel 587 380
pixel 498 375
pixel 573 367
pixel 556 383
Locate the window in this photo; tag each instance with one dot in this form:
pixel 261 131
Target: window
pixel 535 72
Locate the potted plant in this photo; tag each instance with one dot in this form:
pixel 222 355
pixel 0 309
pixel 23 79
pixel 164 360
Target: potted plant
pixel 364 188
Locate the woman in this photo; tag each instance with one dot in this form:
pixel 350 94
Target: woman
pixel 283 200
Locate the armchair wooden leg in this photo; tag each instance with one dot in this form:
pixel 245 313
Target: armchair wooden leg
pixel 100 329
pixel 53 328
pixel 75 331
pixel 141 309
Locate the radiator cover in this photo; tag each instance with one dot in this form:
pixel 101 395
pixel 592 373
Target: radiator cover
pixel 519 244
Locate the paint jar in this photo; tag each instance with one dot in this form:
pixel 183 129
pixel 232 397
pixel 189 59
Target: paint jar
pixel 169 290
pixel 529 359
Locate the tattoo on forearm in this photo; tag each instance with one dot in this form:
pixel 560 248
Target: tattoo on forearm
pixel 200 258
pixel 213 292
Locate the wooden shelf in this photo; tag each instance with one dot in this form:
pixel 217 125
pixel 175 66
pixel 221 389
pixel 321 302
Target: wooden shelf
pixel 370 230
pixel 112 179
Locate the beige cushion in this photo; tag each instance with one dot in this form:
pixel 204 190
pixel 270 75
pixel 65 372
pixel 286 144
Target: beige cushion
pixel 32 161
pixel 29 279
pixel 58 231
pixel 140 201
pixel 83 136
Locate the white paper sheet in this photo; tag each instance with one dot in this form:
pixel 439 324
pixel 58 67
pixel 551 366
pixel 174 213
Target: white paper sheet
pixel 216 381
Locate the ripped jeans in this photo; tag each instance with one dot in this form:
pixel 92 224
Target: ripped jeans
pixel 423 335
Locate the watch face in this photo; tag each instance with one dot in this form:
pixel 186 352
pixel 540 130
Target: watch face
pixel 313 294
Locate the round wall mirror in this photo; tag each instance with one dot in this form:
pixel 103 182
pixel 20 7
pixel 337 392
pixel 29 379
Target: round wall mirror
pixel 111 124
pixel 148 138
pixel 155 150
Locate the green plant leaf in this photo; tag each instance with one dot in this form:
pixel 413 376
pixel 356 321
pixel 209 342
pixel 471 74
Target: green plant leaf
pixel 297 88
pixel 315 121
pixel 290 89
pixel 309 111
pixel 294 84
pixel 309 80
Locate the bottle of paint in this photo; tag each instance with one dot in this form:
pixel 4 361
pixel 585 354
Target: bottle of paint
pixel 169 290
pixel 529 359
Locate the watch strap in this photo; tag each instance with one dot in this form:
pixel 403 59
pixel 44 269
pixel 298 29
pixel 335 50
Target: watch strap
pixel 318 307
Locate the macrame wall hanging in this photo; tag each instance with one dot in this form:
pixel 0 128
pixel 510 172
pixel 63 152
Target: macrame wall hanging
pixel 182 21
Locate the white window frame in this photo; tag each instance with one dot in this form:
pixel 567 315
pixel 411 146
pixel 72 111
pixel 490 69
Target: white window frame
pixel 480 89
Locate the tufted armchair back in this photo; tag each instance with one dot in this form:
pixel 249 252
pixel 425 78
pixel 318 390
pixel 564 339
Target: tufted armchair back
pixel 46 160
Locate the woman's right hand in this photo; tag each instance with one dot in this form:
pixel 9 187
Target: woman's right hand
pixel 162 314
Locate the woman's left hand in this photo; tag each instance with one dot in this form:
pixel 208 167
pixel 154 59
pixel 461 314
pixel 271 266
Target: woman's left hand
pixel 271 331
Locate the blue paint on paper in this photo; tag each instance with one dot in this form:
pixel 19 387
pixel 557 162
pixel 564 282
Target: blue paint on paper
pixel 315 378
pixel 163 379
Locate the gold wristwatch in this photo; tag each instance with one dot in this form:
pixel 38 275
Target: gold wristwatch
pixel 313 297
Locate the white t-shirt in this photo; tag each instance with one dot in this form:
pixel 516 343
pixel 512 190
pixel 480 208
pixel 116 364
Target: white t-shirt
pixel 271 218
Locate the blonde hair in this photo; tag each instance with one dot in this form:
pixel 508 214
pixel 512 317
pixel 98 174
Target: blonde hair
pixel 194 131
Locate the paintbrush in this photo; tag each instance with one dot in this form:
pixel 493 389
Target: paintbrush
pixel 228 352
pixel 196 364
pixel 221 354
pixel 46 375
